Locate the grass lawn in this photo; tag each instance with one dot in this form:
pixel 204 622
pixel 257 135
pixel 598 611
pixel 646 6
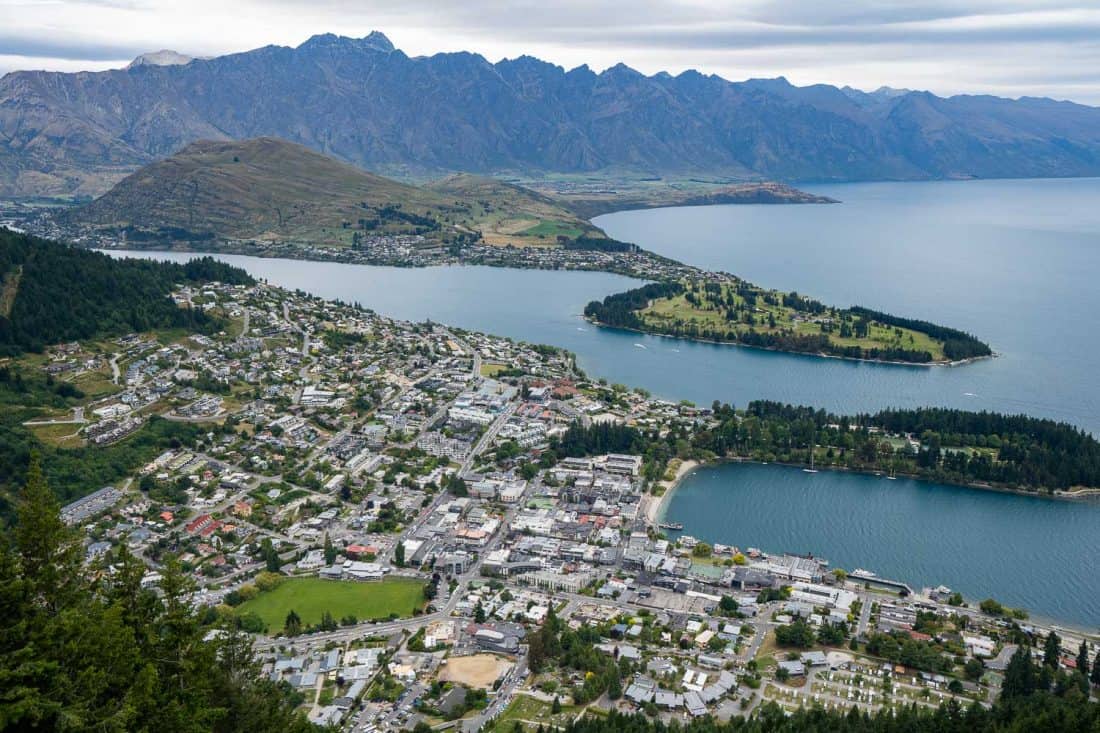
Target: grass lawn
pixel 491 370
pixel 551 230
pixel 311 597
pixel 62 435
pixel 676 310
pixel 531 712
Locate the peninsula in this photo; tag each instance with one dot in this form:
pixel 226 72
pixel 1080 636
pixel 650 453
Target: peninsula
pixel 273 198
pixel 723 308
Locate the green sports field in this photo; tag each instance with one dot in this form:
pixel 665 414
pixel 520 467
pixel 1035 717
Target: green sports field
pixel 311 597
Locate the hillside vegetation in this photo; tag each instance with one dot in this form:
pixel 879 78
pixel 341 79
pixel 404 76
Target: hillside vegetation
pixel 505 214
pixel 738 312
pixel 54 293
pixel 272 190
pixel 87 651
pixel 264 188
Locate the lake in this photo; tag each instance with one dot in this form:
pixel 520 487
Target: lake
pixel 1040 554
pixel 1015 262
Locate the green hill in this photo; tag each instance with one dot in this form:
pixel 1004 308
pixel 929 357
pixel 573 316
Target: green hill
pixel 506 214
pixel 265 189
pixel 50 293
pixel 272 190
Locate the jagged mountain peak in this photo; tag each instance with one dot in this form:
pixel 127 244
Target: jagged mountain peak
pixel 366 103
pixel 374 41
pixel 164 57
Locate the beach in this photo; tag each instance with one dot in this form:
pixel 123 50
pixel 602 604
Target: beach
pixel 655 504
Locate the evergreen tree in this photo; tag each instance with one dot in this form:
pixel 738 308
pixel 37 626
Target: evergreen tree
pixel 1020 678
pixel 1095 676
pixel 293 624
pixel 1052 650
pixel 399 555
pixel 330 550
pixel 1083 658
pixel 86 651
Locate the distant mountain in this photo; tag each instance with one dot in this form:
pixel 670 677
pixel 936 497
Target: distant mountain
pixel 164 57
pixel 367 103
pixel 274 190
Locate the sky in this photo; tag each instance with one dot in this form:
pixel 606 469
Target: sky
pixel 1005 47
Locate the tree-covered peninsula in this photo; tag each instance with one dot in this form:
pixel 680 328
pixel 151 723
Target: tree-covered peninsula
pixel 953 446
pixel 727 309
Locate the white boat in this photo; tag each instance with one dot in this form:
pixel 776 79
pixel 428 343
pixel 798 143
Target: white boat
pixel 811 469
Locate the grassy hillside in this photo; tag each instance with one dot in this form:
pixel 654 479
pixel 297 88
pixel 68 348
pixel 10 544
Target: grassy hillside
pixel 272 190
pixel 508 214
pixel 264 188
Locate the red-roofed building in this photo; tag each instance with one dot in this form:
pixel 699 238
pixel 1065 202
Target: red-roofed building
pixel 199 523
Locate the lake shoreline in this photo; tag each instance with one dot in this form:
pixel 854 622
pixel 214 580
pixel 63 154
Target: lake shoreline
pixel 774 350
pixel 656 512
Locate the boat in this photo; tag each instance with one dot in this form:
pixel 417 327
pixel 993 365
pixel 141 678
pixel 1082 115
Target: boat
pixel 671 525
pixel 811 469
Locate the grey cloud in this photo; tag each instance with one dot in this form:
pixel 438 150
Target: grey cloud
pixel 59 49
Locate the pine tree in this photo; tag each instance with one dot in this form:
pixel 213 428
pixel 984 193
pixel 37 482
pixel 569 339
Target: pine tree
pixel 1019 675
pixel 1083 658
pixel 1052 650
pixel 1095 676
pixel 293 624
pixel 330 550
pixel 48 550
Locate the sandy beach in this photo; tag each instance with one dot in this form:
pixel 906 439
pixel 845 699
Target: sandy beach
pixel 655 504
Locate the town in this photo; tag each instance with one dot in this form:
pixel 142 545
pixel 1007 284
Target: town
pixel 401 515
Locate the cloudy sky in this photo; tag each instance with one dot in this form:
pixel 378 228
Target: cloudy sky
pixel 1005 47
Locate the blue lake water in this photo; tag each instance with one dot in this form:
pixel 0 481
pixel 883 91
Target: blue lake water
pixel 1040 554
pixel 1015 262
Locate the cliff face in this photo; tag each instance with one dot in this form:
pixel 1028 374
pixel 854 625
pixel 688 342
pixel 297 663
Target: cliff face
pixel 369 104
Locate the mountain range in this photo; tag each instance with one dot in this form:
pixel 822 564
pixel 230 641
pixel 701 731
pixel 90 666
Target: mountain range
pixel 369 104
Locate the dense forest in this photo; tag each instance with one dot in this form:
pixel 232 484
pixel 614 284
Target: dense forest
pixel 738 306
pixel 620 310
pixel 599 244
pixel 956 344
pixel 953 446
pixel 150 663
pixel 51 293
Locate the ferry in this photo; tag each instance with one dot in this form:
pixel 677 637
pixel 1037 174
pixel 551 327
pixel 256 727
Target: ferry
pixel 671 525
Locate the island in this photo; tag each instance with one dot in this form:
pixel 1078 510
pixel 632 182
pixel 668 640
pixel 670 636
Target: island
pixel 726 309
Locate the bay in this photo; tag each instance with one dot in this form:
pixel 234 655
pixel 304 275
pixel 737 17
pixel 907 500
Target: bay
pixel 1039 554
